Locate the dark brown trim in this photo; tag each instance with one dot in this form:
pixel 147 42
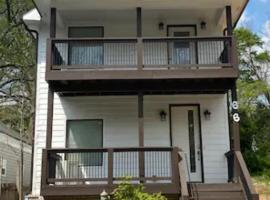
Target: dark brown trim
pixel 67 75
pixel 102 135
pixel 139 21
pixel 53 23
pixel 235 125
pixel 49 117
pixel 200 130
pixel 229 20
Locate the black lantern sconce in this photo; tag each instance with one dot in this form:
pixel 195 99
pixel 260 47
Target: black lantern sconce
pixel 207 114
pixel 203 25
pixel 163 115
pixel 161 26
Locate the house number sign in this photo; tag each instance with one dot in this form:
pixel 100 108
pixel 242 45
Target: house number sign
pixel 236 116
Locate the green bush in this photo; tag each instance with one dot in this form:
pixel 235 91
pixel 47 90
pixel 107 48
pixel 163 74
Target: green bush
pixel 127 191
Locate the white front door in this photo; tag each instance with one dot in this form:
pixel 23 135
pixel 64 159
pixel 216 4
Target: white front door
pixel 186 136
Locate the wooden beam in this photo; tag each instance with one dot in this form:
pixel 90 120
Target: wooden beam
pixel 229 20
pixel 139 22
pixel 235 128
pixel 141 121
pixel 57 75
pixel 141 135
pixel 53 23
pixel 49 117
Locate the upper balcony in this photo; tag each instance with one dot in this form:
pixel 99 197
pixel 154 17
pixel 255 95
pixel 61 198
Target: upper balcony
pixel 141 43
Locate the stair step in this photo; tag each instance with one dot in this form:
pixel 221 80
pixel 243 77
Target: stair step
pixel 219 194
pixel 223 191
pixel 229 187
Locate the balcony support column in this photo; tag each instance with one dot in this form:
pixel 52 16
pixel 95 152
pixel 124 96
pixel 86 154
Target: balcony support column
pixel 53 23
pixel 49 117
pixel 141 136
pixel 229 20
pixel 139 21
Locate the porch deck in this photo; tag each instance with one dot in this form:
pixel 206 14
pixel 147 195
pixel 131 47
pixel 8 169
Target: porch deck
pixel 87 172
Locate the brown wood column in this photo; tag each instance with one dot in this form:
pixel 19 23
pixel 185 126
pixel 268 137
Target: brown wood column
pixel 139 22
pixel 50 89
pixel 235 124
pixel 229 20
pixel 140 120
pixel 53 23
pixel 141 136
pixel 49 117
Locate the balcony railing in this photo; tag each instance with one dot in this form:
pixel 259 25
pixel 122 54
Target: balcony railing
pixel 140 53
pixel 108 167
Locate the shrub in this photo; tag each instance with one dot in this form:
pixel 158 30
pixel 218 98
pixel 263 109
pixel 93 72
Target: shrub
pixel 127 191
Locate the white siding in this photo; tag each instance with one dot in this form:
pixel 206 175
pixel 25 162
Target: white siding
pixel 120 114
pixel 10 152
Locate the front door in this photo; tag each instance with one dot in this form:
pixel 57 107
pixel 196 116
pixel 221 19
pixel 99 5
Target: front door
pixel 186 136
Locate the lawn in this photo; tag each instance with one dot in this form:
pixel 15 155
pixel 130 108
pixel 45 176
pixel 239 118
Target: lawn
pixel 262 185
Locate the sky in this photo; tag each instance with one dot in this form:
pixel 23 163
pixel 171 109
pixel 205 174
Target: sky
pixel 257 18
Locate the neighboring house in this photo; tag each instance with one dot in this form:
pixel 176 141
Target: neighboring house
pixel 10 156
pixel 138 88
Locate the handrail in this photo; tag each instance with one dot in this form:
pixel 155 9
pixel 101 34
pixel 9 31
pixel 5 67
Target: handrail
pixel 183 181
pixel 237 163
pixel 139 53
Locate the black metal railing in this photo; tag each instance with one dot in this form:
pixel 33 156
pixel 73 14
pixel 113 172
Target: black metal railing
pixel 110 166
pixel 173 52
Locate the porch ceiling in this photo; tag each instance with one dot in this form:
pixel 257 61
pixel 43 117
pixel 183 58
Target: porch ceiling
pixel 237 6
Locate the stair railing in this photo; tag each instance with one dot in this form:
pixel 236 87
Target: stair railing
pixel 237 168
pixel 182 174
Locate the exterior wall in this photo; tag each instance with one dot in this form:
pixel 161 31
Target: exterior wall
pixel 215 135
pixel 10 151
pixel 120 123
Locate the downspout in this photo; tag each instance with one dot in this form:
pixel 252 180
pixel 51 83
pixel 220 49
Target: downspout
pixel 31 32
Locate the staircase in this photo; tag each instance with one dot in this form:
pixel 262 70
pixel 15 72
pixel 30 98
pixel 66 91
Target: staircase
pixel 226 191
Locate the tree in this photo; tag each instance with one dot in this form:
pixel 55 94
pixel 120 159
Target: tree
pixel 17 66
pixel 254 99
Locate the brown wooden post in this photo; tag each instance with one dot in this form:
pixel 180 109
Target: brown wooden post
pixel 44 174
pixel 110 167
pixel 139 22
pixel 49 117
pixel 229 20
pixel 141 135
pixel 235 124
pixel 139 41
pixel 50 89
pixel 53 23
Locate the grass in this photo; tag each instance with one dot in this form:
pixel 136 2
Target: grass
pixel 262 186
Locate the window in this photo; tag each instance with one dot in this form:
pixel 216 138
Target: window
pixel 86 134
pixel 191 141
pixel 3 166
pixel 85 53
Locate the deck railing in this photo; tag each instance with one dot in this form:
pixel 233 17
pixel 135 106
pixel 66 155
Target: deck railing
pixel 238 170
pixel 109 166
pixel 140 53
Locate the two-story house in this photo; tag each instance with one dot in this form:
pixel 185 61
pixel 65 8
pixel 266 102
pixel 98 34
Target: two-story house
pixel 144 89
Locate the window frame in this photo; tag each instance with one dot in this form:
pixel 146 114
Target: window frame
pixel 102 129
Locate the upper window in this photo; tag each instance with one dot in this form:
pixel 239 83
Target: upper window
pixel 85 134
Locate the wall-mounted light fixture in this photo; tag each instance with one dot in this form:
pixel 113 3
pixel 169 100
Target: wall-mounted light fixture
pixel 163 115
pixel 207 114
pixel 161 26
pixel 203 25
